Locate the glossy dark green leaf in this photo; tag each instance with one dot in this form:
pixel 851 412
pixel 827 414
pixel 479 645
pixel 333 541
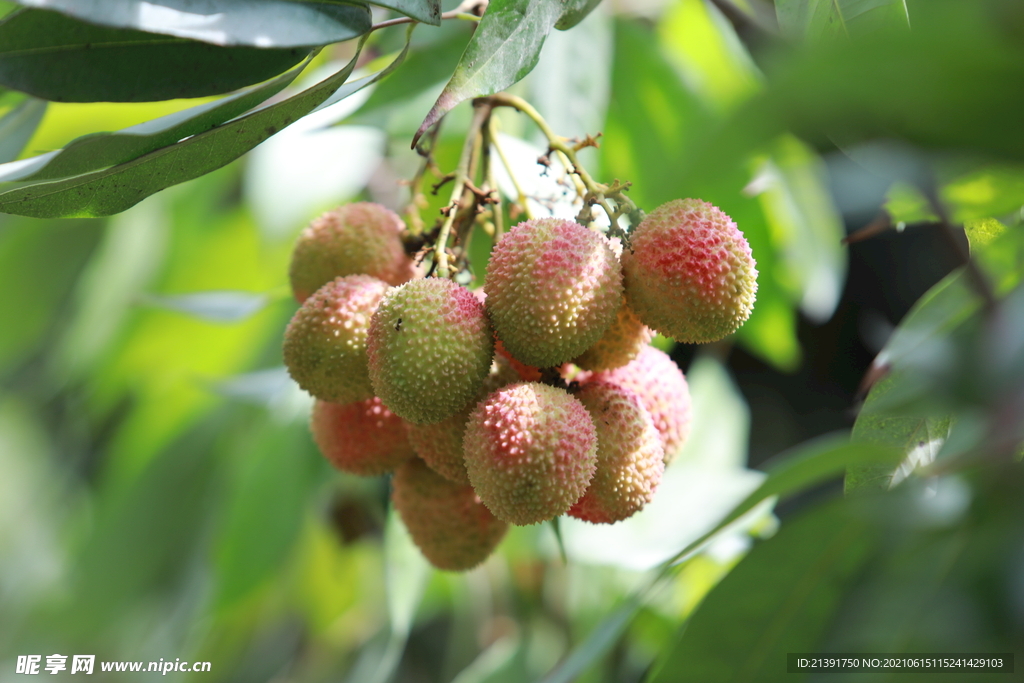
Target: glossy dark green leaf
pixel 17 127
pixel 778 599
pixel 58 58
pixel 254 23
pixel 101 150
pixel 505 47
pixel 106 192
pixel 818 19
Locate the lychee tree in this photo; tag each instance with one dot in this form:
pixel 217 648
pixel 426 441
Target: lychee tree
pixel 558 201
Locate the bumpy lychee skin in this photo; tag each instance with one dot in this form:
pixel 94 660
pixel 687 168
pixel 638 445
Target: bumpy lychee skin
pixel 440 444
pixel 663 391
pixel 690 274
pixel 620 344
pixel 452 528
pixel 360 238
pixel 530 451
pixel 325 342
pixel 430 347
pixel 630 456
pixel 553 288
pixel 363 438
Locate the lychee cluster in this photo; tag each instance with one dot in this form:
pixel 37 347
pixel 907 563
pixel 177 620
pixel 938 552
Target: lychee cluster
pixel 540 398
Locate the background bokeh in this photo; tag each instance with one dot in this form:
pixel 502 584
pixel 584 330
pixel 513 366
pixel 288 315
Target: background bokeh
pixel 160 496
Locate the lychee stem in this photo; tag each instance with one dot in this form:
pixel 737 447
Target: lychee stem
pixel 591 190
pixel 455 204
pixel 520 195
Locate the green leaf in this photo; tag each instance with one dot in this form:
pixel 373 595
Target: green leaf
pixel 17 127
pixel 101 150
pixel 405 575
pixel 264 507
pixel 106 192
pixel 820 19
pixel 427 11
pixel 58 58
pixel 917 438
pixel 254 23
pixel 800 469
pixel 504 48
pixel 923 89
pixel 779 599
pixel 806 229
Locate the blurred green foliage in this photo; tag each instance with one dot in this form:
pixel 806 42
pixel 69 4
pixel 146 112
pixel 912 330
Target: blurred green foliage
pixel 160 496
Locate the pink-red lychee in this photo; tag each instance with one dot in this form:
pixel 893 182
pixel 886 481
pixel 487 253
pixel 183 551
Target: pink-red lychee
pixel 689 273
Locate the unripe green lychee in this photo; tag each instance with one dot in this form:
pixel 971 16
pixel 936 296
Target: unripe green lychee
pixel 620 344
pixel 630 456
pixel 447 521
pixel 663 391
pixel 690 274
pixel 530 452
pixel 325 342
pixel 356 239
pixel 430 347
pixel 363 438
pixel 553 288
pixel 440 444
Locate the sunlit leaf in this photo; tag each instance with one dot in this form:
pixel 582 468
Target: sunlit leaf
pixel 917 437
pixel 823 19
pixel 704 46
pixel 59 58
pixel 504 48
pixel 17 127
pixel 256 23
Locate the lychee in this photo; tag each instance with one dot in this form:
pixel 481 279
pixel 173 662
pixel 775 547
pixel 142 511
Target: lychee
pixel 620 344
pixel 325 342
pixel 430 347
pixel 553 288
pixel 530 452
pixel 447 521
pixel 663 391
pixel 440 444
pixel 360 238
pixel 363 438
pixel 690 274
pixel 630 456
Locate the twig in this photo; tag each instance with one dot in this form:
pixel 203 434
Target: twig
pixel 480 115
pixel 591 191
pixel 520 195
pixel 464 12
